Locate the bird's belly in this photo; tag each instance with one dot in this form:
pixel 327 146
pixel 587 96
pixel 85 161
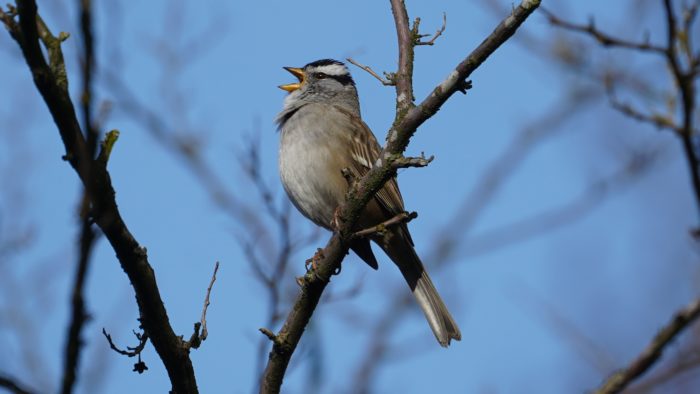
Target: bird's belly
pixel 311 180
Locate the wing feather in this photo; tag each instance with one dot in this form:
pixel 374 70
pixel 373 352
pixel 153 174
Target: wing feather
pixel 365 152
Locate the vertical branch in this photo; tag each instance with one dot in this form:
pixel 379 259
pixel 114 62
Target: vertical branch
pixel 88 65
pixel 404 76
pixel 79 315
pixel 685 81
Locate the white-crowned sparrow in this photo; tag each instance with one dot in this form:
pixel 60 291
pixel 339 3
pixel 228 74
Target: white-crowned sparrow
pixel 322 134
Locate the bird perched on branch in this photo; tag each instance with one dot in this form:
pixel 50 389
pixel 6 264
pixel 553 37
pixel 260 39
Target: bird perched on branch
pixel 323 135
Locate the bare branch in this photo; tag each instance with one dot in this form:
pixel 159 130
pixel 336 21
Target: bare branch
pixel 656 120
pixel 684 77
pixel 686 361
pixel 437 34
pixel 79 315
pixel 406 162
pixel 604 39
pixel 198 337
pixel 269 334
pixel 685 81
pixel 206 302
pixel 139 366
pixel 50 80
pixel 680 321
pixel 403 78
pixel 385 82
pixel 403 217
pixel 13 386
pixel 131 351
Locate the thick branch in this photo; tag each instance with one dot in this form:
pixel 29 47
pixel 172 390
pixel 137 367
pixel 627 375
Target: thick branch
pixel 50 82
pixel 682 320
pixel 313 283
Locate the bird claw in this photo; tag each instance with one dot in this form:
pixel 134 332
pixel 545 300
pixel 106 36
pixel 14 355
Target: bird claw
pixel 335 222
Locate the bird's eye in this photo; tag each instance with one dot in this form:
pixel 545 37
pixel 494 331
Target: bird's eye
pixel 320 75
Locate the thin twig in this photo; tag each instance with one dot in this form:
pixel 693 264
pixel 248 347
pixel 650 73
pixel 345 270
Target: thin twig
pixel 656 120
pixel 402 218
pixel 680 321
pixel 684 78
pixel 79 315
pixel 206 302
pixel 385 82
pixel 130 351
pixel 437 34
pixel 200 332
pixel 604 39
pixel 406 162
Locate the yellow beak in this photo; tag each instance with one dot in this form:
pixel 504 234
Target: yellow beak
pixel 297 72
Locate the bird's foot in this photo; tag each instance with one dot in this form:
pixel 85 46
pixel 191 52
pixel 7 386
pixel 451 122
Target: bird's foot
pixel 335 222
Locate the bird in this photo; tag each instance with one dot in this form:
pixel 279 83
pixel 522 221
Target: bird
pixel 322 137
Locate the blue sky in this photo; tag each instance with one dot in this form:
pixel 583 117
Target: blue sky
pixel 615 272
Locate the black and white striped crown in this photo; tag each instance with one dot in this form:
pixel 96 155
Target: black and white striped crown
pixel 332 68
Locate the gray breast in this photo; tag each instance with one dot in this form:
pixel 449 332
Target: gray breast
pixel 311 160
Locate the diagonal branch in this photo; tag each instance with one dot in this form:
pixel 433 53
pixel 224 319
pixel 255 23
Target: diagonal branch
pixel 407 121
pixel 51 83
pixel 404 76
pixel 385 82
pixel 79 315
pixel 13 386
pixel 680 321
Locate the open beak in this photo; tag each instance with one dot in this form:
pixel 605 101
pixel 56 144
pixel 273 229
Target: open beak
pixel 297 72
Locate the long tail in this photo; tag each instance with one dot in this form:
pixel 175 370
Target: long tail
pixel 404 256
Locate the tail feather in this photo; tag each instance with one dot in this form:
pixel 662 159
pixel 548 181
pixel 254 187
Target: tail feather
pixel 404 256
pixel 439 318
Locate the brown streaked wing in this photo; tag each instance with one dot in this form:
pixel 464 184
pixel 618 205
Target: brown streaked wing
pixel 365 151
